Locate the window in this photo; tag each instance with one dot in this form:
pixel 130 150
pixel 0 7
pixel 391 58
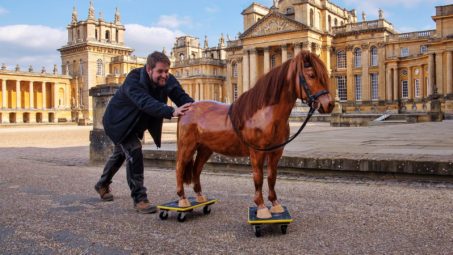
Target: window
pixel 96 34
pixel 215 71
pixel 342 88
pixel 273 61
pixel 404 52
pixel 312 17
pixel 235 70
pixel 374 56
pixel 115 70
pixel 181 56
pixel 329 22
pixel 107 35
pixel 374 86
pixel 423 49
pixel 335 22
pixel 417 87
pixel 81 67
pixel 100 67
pixel 341 59
pixel 235 91
pixel 357 57
pixel 358 87
pixel 404 89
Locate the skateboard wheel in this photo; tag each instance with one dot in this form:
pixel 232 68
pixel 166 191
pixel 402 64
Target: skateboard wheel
pixel 206 209
pixel 181 217
pixel 284 228
pixel 163 215
pixel 257 230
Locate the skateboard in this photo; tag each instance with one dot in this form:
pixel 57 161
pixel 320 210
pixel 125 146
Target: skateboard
pixel 283 219
pixel 182 211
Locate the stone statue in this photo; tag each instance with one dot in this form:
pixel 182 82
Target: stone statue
pixel 221 41
pixel 17 68
pixel 30 68
pixel 55 69
pixel 206 41
pixel 363 16
pixel 43 70
pixel 101 16
pixel 381 14
pixel 3 66
pixel 275 3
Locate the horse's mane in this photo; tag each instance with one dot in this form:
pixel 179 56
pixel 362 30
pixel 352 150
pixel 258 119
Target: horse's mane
pixel 269 88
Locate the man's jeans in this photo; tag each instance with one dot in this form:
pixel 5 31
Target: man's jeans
pixel 131 151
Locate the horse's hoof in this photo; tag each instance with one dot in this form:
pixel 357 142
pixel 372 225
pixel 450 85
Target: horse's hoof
pixel 263 213
pixel 184 202
pixel 277 209
pixel 201 199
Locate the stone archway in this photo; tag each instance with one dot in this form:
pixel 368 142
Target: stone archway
pixel 26 117
pixel 39 117
pixel 51 117
pixel 12 117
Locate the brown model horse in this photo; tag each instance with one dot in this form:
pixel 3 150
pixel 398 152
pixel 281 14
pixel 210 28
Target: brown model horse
pixel 260 118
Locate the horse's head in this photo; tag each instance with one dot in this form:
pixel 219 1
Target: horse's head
pixel 312 81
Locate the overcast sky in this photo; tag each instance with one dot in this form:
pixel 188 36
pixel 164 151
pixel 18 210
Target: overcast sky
pixel 32 31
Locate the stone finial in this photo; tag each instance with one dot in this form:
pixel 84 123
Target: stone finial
pixel 228 38
pixel 363 16
pixel 55 69
pixel 101 16
pixel 30 68
pixel 74 15
pixel 164 50
pixel 43 70
pixel 381 14
pixel 206 41
pixel 3 66
pixel 275 3
pixel 17 68
pixel 91 11
pixel 117 16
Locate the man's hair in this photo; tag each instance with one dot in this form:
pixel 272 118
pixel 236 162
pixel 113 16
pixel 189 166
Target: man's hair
pixel 155 57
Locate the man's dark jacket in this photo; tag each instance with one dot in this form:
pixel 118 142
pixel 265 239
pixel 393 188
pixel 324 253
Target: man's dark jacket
pixel 140 104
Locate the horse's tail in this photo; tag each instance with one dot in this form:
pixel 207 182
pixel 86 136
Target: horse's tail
pixel 188 172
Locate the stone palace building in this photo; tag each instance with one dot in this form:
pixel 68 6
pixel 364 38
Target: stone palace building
pixel 373 68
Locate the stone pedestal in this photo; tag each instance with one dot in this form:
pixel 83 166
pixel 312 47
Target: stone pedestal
pixel 101 146
pixel 436 107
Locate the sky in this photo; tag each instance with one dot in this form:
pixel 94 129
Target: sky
pixel 32 31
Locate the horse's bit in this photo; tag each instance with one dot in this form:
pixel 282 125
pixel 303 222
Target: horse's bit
pixel 311 99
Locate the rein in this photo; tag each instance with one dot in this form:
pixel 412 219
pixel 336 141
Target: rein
pixel 310 100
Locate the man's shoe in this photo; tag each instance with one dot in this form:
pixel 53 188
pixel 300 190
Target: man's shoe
pixel 145 207
pixel 104 192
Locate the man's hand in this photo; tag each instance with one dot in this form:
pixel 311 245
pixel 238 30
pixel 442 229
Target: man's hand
pixel 181 110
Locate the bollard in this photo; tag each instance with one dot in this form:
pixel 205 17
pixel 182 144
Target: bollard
pixel 101 147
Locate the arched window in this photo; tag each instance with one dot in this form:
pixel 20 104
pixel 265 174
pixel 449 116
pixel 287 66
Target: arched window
pixel 78 34
pixel 374 56
pixel 341 59
pixel 312 17
pixel 100 67
pixel 96 34
pixel 357 57
pixel 116 35
pixel 235 70
pixel 107 35
pixel 335 22
pixel 181 56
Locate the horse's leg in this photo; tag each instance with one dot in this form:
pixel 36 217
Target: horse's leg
pixel 257 162
pixel 272 162
pixel 184 163
pixel 203 154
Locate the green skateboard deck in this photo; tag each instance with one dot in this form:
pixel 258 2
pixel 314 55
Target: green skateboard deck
pixel 182 211
pixel 283 219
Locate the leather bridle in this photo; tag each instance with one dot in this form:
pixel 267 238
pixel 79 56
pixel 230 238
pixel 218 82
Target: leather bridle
pixel 311 99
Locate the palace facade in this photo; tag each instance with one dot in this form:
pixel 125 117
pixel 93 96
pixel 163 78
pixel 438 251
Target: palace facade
pixel 373 68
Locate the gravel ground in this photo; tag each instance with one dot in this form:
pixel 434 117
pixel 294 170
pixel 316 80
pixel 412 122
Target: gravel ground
pixel 48 206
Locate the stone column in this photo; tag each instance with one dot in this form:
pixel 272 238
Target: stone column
pixel 410 84
pixel 4 94
pixel 55 95
pixel 431 75
pixel 350 75
pixel 229 84
pixel 284 53
pixel 396 84
pixel 421 74
pixel 44 95
pixel 389 85
pixel 449 73
pixel 253 67
pixel 439 74
pixel 18 105
pixel 366 86
pixel 32 98
pixel 245 72
pixel 266 60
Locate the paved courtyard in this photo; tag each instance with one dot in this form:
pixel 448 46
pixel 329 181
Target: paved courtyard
pixel 48 206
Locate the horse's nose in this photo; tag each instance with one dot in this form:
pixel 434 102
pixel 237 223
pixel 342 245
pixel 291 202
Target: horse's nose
pixel 327 109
